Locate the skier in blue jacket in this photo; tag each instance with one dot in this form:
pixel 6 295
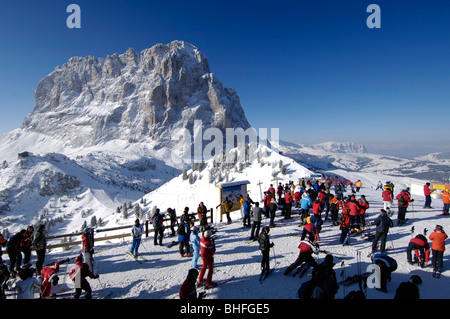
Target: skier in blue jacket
pixel 305 205
pixel 195 241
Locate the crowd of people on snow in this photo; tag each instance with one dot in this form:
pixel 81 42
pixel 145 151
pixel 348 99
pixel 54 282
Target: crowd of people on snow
pixel 315 204
pixel 313 200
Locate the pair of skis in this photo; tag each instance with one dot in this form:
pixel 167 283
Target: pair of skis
pixel 264 274
pixel 216 283
pixel 302 270
pixel 138 258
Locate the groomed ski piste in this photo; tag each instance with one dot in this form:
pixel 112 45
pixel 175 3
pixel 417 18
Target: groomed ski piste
pixel 163 271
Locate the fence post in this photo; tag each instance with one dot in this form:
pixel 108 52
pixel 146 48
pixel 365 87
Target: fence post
pixel 146 228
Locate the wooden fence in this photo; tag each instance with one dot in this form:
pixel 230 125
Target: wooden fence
pixel 128 234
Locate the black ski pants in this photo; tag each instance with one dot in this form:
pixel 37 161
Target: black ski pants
pixel 86 287
pixel 265 260
pixel 437 259
pixel 307 258
pixel 378 236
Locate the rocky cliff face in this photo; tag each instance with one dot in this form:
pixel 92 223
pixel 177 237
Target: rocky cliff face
pixel 137 97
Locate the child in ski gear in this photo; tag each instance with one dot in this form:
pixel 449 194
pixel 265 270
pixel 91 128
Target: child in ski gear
pixel 264 246
pixel 184 233
pixel 382 223
pixel 307 248
pixel 409 289
pixel 427 193
pixel 421 249
pixel 39 243
pixel 387 266
pixel 158 226
pixel 87 249
pixel 324 280
pixel 256 216
pixel 28 285
pixel 195 241
pixel 446 201
pixel 188 289
pixel 50 278
pixel 208 249
pixel 438 238
pixel 78 274
pixel 403 201
pixel 136 233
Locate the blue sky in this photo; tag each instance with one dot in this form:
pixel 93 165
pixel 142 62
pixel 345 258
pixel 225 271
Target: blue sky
pixel 311 68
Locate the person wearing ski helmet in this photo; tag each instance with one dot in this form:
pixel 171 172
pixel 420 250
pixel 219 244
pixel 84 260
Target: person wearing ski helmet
pixel 264 246
pixel 136 233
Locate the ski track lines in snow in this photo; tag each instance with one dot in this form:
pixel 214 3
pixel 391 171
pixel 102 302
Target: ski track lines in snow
pixel 161 276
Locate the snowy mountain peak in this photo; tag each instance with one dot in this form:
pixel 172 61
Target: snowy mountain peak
pixel 136 97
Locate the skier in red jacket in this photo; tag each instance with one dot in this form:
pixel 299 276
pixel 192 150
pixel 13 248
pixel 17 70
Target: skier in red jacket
pixel 403 201
pixel 427 193
pixel 78 274
pixel 207 250
pixel 307 248
pixel 421 249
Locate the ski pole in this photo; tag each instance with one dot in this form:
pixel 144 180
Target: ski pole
pixel 273 250
pixel 392 242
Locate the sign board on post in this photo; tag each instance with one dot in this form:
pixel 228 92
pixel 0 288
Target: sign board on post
pixel 232 191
